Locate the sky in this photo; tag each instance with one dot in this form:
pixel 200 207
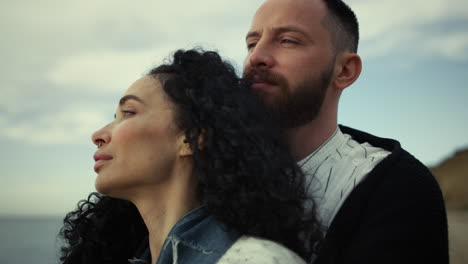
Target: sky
pixel 65 64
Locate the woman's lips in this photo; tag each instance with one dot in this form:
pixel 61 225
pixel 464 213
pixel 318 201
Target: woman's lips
pixel 100 160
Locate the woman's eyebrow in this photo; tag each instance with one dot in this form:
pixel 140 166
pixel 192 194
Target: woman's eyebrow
pixel 130 97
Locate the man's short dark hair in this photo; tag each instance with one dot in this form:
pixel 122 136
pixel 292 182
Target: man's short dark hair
pixel 343 26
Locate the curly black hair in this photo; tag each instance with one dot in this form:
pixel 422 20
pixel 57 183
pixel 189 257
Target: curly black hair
pixel 246 176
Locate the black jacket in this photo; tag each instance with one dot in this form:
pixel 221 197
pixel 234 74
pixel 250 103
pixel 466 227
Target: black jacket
pixel 395 215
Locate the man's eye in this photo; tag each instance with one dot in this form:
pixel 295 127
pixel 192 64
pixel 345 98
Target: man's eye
pixel 251 45
pixel 289 41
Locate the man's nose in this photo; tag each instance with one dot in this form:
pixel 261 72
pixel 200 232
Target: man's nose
pixel 261 56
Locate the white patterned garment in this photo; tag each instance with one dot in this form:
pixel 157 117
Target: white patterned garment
pixel 334 169
pixel 252 250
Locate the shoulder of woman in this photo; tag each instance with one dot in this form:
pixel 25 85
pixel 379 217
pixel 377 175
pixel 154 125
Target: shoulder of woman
pixel 248 249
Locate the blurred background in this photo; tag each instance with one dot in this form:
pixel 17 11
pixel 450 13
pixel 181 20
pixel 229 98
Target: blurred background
pixel 65 64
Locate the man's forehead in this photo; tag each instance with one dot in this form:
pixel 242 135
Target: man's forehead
pixel 283 13
pixel 304 5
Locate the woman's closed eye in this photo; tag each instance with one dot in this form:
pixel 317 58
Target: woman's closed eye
pixel 124 113
pixel 128 112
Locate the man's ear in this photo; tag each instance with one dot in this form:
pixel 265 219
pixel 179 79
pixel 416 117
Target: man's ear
pixel 348 68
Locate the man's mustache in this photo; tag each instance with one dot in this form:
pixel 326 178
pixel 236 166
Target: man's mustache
pixel 255 75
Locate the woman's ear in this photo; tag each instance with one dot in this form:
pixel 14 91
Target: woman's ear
pixel 184 146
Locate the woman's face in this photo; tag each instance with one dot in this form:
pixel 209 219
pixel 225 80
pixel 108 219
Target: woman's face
pixel 140 147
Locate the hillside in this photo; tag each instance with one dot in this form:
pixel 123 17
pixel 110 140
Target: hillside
pixel 452 175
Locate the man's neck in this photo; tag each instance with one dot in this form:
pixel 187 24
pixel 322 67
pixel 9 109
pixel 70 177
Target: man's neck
pixel 306 139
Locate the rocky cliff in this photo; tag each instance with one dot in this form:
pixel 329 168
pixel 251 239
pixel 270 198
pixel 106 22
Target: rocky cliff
pixel 452 175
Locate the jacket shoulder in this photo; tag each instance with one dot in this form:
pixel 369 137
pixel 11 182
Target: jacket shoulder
pixel 395 215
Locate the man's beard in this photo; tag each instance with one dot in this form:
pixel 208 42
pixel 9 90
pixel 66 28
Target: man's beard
pixel 292 107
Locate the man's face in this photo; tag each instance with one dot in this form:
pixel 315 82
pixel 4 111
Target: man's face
pixel 290 59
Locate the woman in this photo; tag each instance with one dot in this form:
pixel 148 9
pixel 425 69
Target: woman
pixel 191 171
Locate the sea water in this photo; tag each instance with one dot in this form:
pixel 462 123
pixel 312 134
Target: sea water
pixel 29 240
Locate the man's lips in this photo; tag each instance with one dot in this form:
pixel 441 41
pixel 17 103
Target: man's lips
pixel 100 159
pixel 258 84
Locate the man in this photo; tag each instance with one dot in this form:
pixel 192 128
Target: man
pixel 376 202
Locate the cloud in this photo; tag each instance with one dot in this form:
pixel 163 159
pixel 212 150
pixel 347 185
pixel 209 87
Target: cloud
pixel 64 59
pixel 102 72
pixel 85 25
pixel 71 125
pixel 378 18
pixel 453 46
pixel 64 65
pixel 60 52
pixel 389 27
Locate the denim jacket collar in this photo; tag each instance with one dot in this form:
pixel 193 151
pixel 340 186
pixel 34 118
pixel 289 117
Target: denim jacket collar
pixel 196 238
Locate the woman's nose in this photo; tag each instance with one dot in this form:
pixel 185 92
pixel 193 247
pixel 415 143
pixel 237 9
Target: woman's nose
pixel 102 136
